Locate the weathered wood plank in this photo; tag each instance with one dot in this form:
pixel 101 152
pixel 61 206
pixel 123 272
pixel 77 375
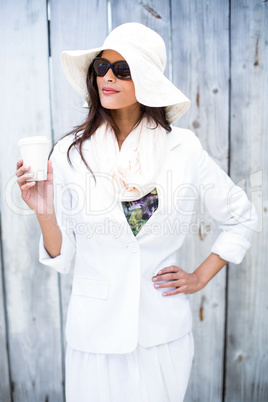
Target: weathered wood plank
pixel 247 350
pixel 5 385
pixel 81 27
pixel 200 70
pixel 31 289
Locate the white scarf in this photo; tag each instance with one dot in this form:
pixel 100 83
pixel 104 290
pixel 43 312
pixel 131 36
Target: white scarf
pixel 134 168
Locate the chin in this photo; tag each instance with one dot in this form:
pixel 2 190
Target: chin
pixel 109 104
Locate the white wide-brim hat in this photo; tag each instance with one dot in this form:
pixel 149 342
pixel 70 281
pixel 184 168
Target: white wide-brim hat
pixel 145 52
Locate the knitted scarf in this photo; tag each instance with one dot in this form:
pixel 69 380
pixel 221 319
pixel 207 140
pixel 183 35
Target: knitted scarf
pixel 134 168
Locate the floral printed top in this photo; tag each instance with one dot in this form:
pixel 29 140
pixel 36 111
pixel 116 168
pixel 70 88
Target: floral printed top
pixel 139 211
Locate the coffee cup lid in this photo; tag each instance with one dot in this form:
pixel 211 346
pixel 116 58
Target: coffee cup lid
pixel 39 139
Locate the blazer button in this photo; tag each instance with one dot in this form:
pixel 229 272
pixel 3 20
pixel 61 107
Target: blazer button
pixel 133 247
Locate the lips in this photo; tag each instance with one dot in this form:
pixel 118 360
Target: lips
pixel 109 91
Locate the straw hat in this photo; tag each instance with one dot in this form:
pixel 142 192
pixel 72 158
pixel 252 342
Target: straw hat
pixel 145 52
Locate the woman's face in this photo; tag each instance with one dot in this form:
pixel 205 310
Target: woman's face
pixel 113 92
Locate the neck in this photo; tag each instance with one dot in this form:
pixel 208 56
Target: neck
pixel 125 119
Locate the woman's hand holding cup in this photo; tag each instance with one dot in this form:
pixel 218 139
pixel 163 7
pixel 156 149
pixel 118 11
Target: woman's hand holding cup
pixel 38 195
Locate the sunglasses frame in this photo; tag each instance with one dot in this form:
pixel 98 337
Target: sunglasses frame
pixel 110 65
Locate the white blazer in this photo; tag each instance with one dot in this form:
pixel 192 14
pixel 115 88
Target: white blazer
pixel 114 305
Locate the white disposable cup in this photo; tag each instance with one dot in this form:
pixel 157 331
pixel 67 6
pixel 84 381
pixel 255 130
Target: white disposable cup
pixel 34 152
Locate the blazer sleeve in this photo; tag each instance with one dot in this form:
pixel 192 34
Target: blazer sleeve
pixel 229 205
pixel 62 203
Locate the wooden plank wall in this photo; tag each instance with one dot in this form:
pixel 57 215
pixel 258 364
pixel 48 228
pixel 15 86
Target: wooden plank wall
pixel 217 55
pixel 31 292
pixel 247 335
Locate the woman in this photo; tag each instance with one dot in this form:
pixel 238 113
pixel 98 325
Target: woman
pixel 116 206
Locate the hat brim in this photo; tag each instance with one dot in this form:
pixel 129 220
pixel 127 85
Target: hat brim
pixel 152 88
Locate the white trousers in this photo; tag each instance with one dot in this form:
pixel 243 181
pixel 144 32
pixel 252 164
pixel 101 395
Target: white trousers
pixel 157 374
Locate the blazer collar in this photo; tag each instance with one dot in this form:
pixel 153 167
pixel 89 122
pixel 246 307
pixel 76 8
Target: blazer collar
pixel 175 137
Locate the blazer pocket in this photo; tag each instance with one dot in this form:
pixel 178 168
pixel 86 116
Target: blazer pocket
pixel 90 287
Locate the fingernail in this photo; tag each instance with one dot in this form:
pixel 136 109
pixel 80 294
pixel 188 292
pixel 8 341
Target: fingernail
pixel 164 294
pixel 159 273
pixel 155 278
pixel 156 286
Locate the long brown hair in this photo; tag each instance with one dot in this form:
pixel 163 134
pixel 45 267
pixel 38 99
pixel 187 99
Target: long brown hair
pixel 98 114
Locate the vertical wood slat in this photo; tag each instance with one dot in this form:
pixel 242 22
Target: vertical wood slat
pixel 31 289
pixel 82 26
pixel 5 385
pixel 247 350
pixel 200 70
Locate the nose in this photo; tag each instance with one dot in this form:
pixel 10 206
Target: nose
pixel 109 76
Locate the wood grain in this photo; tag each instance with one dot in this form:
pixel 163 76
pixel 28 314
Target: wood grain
pixel 247 350
pixel 5 385
pixel 31 289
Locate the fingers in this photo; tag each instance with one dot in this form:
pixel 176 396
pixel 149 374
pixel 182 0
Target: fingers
pixel 49 166
pixel 23 176
pixel 19 163
pixel 176 277
pixel 21 169
pixel 173 276
pixel 27 185
pixel 171 268
pixel 167 277
pixel 179 286
pixel 170 284
pixel 169 273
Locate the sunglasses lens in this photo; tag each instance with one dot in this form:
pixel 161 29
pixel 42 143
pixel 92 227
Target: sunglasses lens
pixel 122 70
pixel 100 67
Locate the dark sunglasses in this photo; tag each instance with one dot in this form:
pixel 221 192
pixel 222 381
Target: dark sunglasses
pixel 119 68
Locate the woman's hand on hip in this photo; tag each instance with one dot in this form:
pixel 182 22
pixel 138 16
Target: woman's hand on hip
pixel 38 195
pixel 177 278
